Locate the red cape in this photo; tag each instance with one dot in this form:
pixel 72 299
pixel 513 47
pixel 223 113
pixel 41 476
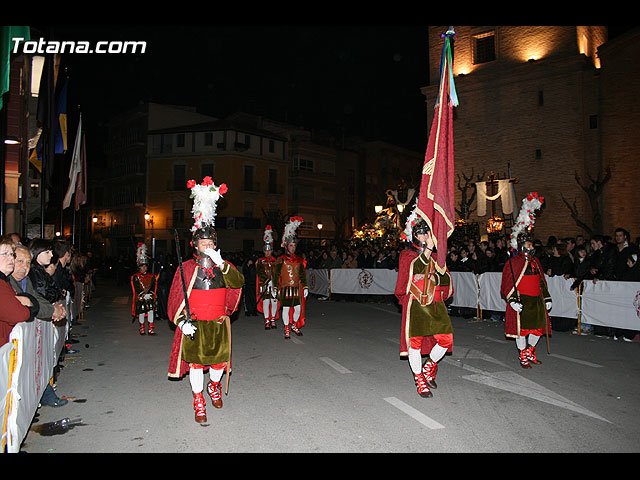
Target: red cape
pixel 175 305
pixel 405 272
pixel 519 264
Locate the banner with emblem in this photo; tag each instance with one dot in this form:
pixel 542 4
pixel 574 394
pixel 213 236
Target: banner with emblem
pixel 363 281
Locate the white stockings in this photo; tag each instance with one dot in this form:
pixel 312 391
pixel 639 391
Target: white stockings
pixel 521 342
pixel 196 378
pixel 285 314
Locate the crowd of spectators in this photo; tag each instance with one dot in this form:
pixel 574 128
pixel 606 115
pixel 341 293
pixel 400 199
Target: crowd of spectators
pixel 42 279
pixel 596 258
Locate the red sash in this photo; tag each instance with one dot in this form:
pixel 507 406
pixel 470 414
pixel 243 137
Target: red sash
pixel 530 285
pixel 207 304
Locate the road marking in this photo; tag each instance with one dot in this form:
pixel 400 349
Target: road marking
pixel 413 413
pixel 335 365
pixel 493 339
pixel 514 383
pixel 296 340
pixel 463 353
pixel 575 360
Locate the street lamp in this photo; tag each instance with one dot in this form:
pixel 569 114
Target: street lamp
pixel 320 230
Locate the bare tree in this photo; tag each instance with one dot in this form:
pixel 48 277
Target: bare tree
pixel 465 204
pixel 594 192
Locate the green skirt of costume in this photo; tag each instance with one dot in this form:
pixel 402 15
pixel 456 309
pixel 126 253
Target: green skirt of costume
pixel 533 313
pixel 429 320
pixel 210 344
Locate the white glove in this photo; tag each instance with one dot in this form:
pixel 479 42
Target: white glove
pixel 187 328
pixel 147 296
pixel 306 292
pixel 215 256
pixel 549 306
pixel 516 306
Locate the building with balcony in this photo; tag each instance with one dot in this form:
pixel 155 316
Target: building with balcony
pixel 252 162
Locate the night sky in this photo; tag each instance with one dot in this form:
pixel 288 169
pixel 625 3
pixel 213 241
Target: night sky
pixel 360 80
pixel 352 79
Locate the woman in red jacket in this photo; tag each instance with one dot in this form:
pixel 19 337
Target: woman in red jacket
pixel 15 309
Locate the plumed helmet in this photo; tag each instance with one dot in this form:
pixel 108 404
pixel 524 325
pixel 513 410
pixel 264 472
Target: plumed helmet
pixel 268 238
pixel 205 198
pixel 289 234
pixel 141 255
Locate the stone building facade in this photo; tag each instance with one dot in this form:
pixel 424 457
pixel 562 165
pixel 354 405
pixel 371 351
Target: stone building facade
pixel 534 103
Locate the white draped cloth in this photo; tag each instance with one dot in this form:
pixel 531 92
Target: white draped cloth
pixel 505 194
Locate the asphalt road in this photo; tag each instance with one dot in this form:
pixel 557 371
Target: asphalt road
pixel 341 387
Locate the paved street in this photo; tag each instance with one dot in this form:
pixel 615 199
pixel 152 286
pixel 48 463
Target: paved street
pixel 341 387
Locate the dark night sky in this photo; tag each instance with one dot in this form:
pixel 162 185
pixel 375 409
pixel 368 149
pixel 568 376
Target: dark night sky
pixel 363 79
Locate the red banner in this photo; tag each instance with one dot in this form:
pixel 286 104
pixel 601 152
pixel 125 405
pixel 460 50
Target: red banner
pixel 437 194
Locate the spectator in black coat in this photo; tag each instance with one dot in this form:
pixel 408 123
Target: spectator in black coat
pixel 623 251
pixel 559 262
pixel 631 272
pixel 602 259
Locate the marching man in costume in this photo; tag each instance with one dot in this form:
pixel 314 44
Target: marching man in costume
pixel 525 288
pixel 291 281
pixel 144 286
pixel 211 293
pixel 422 290
pixel 266 292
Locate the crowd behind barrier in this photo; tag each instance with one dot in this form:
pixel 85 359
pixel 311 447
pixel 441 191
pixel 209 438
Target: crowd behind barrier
pixel 596 282
pixel 605 303
pixel 26 367
pixel 47 284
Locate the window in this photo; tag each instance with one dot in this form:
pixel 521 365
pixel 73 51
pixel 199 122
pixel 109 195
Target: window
pixel 178 214
pixel 540 98
pixel 593 122
pixel 208 138
pixel 303 164
pixel 272 146
pixel 248 209
pixel 179 177
pixel 273 180
pixel 248 177
pixel 538 154
pixel 207 170
pixel 180 140
pixel 484 47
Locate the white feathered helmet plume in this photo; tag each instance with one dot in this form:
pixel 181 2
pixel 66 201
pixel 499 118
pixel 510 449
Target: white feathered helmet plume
pixel 268 238
pixel 526 219
pixel 290 228
pixel 205 199
pixel 415 224
pixel 141 255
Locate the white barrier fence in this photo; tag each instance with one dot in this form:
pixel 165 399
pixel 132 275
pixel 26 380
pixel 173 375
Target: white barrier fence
pixel 26 366
pixel 605 303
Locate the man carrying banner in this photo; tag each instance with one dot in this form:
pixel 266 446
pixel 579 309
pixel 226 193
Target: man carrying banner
pixel 291 281
pixel 422 290
pixel 144 286
pixel 524 287
pixel 265 290
pixel 209 288
pixel 423 279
